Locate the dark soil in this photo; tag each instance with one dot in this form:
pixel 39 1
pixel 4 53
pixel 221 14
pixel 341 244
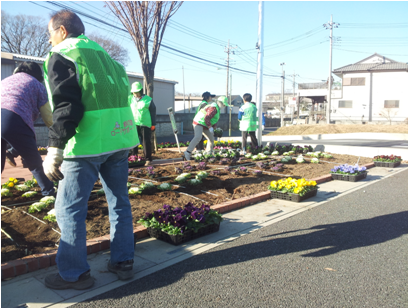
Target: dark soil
pixel 33 236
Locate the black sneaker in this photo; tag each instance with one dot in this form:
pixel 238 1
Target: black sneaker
pixel 124 270
pixel 10 159
pixel 55 281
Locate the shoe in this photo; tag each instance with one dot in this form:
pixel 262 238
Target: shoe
pixel 148 163
pixel 124 270
pixel 187 155
pixel 55 281
pixel 10 159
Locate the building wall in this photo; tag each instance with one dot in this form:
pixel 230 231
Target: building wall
pixel 385 86
pixel 390 86
pixel 163 94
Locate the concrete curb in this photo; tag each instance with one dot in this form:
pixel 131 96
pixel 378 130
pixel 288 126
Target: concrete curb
pixel 39 261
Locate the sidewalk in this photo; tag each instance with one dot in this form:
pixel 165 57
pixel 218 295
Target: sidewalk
pixel 153 256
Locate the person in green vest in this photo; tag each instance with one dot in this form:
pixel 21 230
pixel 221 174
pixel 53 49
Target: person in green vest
pixel 92 132
pixel 247 117
pixel 144 112
pixel 207 99
pixel 204 122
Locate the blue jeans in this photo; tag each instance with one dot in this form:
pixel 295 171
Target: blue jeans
pixel 80 175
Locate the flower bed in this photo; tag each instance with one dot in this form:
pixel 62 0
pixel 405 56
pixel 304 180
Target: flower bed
pixel 219 186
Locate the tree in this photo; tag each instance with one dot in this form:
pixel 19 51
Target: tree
pixel 388 114
pixel 142 19
pixel 23 34
pixel 117 52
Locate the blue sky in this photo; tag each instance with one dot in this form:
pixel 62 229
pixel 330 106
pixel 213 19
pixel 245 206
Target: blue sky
pixel 293 34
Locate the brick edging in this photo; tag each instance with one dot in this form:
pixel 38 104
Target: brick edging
pixel 39 261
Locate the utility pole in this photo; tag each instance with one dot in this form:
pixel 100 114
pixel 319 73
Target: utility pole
pixel 228 51
pixel 259 72
pixel 330 26
pixel 283 93
pixel 230 107
pixel 184 92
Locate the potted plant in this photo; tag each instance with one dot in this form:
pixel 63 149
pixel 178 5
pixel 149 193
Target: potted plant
pixel 348 173
pixel 134 160
pixel 179 225
pixel 293 189
pixel 391 161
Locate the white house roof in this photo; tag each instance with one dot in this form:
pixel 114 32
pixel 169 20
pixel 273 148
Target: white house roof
pixel 39 59
pixel 375 62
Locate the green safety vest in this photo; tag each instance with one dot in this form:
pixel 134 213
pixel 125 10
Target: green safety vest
pixel 199 106
pixel 249 120
pixel 141 111
pixel 107 125
pixel 200 116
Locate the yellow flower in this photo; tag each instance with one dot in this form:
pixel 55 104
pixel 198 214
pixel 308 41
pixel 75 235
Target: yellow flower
pixel 35 181
pixel 11 184
pixel 11 179
pixel 15 181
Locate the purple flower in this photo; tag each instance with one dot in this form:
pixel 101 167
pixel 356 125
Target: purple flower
pixel 243 169
pixel 228 169
pixel 212 160
pixel 178 170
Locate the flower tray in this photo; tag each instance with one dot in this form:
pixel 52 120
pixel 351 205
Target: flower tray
pixel 349 177
pixel 188 235
pixel 293 197
pixel 137 164
pixel 387 164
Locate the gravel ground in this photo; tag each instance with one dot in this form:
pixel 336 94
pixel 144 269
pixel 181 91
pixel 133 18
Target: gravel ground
pixel 349 252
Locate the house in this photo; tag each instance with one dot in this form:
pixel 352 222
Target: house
pixel 189 104
pixel 373 90
pixel 163 95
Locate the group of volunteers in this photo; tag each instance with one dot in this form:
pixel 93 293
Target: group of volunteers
pixel 95 117
pixel 207 116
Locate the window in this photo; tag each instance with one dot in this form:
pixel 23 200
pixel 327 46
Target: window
pixel 354 81
pixel 345 104
pixel 391 104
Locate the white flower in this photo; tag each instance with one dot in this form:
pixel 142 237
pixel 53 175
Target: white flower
pixel 275 153
pixel 249 155
pixel 52 212
pixel 315 160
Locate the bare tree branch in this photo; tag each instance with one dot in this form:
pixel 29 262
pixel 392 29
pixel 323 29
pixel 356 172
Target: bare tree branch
pixel 117 52
pixel 142 19
pixel 26 35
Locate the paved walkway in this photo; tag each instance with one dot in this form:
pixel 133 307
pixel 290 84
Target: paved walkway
pixel 346 247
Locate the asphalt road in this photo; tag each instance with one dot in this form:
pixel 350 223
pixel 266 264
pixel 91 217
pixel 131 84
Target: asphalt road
pixel 349 252
pixel 403 144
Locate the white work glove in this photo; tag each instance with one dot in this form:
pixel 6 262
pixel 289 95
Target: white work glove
pixel 211 129
pixel 51 164
pixel 263 127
